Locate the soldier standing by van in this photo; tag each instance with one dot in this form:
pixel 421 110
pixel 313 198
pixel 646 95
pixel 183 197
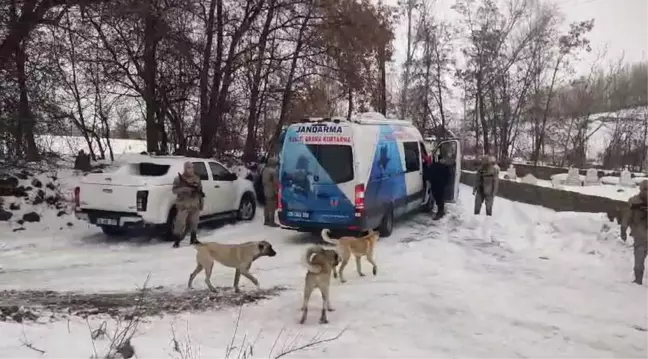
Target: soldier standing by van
pixel 636 217
pixel 270 180
pixel 189 202
pixel 486 184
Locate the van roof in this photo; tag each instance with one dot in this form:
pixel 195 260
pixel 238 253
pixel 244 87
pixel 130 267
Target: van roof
pixel 365 118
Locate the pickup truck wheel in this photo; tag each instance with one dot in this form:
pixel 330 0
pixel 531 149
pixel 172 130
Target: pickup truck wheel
pixel 247 208
pixel 113 231
pixel 387 224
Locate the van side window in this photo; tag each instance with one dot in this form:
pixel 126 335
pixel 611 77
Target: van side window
pixel 412 156
pixel 201 170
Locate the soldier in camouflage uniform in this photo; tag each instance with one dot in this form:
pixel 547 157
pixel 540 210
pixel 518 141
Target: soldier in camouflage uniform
pixel 486 184
pixel 189 202
pixel 635 216
pixel 270 180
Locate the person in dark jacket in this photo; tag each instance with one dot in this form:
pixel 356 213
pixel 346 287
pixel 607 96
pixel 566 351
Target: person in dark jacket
pixel 82 162
pixel 438 175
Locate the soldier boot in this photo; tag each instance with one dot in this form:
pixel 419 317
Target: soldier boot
pixel 638 276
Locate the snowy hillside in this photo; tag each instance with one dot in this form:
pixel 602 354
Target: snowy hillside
pixel 71 145
pixel 601 127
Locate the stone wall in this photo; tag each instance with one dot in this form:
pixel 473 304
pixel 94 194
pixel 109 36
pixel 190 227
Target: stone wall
pixel 558 200
pixel 540 172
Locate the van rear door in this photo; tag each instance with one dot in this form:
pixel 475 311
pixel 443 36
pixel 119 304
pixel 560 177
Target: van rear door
pixel 317 174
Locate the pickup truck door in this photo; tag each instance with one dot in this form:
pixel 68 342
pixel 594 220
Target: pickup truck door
pixel 224 185
pixel 200 169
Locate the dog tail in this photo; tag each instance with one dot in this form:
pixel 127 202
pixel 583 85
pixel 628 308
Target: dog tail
pixel 308 258
pixel 326 238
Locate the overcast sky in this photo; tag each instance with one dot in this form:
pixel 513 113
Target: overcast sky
pixel 620 29
pixel 621 26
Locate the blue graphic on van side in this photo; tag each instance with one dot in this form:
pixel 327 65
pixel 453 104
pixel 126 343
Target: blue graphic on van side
pixel 308 194
pixel 386 180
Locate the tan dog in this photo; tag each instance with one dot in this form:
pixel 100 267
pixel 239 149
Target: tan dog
pixel 359 247
pixel 238 256
pixel 320 263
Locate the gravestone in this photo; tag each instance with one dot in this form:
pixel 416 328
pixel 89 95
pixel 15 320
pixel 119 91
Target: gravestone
pixel 591 177
pixel 573 177
pixel 625 179
pixel 510 172
pixel 530 179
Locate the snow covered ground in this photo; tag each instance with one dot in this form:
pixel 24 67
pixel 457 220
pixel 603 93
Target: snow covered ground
pixel 609 187
pixel 608 190
pixel 528 282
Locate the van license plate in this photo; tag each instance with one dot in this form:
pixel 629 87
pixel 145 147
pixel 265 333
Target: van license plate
pixel 107 221
pixel 298 214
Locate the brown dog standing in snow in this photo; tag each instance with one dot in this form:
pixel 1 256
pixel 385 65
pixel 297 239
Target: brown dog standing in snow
pixel 237 256
pixel 320 263
pixel 359 247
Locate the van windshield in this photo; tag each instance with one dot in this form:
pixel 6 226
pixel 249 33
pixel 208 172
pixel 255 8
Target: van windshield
pixel 336 160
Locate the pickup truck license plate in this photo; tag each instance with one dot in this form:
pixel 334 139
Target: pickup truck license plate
pixel 298 214
pixel 107 221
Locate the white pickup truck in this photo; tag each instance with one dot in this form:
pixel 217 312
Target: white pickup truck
pixel 138 194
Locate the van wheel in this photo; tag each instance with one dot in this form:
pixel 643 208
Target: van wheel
pixel 387 224
pixel 112 231
pixel 247 208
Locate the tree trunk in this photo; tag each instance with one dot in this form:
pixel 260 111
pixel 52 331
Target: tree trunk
pixel 249 150
pixel 476 124
pixel 644 146
pixel 150 71
pixel 26 118
pixel 545 115
pixel 160 115
pixel 408 61
pixel 24 130
pixel 382 62
pixel 349 103
pixel 482 114
pixel 224 76
pixel 206 56
pixel 287 94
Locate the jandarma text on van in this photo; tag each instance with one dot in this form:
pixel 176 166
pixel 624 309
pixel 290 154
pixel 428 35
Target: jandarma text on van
pixel 331 139
pixel 319 129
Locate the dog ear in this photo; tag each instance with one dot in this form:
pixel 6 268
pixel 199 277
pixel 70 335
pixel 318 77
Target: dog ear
pixel 261 246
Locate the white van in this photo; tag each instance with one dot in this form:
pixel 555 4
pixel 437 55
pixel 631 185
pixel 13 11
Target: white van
pixel 354 175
